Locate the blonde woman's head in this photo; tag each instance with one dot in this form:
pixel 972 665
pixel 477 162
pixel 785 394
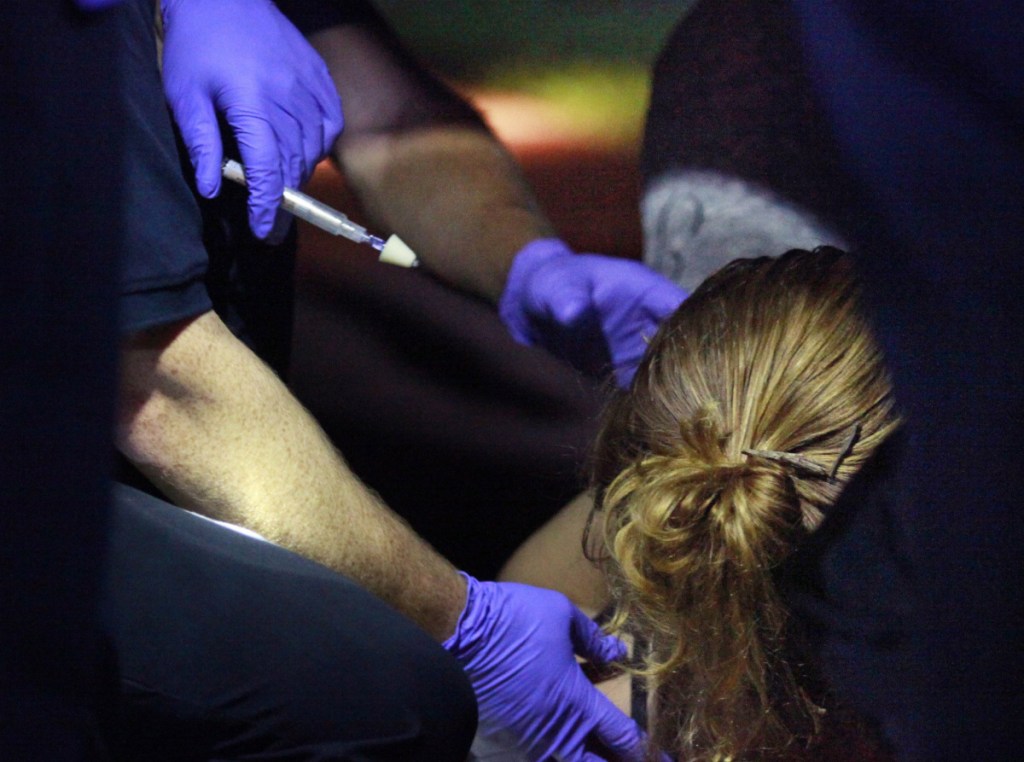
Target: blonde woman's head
pixel 756 402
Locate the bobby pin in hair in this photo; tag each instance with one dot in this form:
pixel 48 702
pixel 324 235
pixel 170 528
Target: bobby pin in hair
pixel 806 464
pixel 798 462
pixel 845 450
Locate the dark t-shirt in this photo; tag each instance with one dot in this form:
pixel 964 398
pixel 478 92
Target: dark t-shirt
pixel 921 584
pixel 164 265
pixel 311 16
pixel 731 94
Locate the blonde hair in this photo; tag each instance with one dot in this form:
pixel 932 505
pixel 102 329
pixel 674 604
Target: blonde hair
pixel 768 355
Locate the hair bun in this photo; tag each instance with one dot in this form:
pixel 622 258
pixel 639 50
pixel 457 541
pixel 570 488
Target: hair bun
pixel 754 508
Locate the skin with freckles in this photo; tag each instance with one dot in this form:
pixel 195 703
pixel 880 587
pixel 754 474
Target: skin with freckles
pixel 213 427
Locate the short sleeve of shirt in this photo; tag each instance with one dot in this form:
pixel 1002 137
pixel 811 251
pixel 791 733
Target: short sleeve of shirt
pixel 311 16
pixel 164 262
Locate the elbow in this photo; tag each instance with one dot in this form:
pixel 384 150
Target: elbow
pixel 155 392
pixel 144 419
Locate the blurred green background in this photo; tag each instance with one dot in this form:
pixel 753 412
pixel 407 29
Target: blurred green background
pixel 479 41
pixel 591 59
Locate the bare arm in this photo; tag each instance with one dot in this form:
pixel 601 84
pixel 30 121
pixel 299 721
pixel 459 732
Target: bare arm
pixel 424 165
pixel 211 425
pixel 553 557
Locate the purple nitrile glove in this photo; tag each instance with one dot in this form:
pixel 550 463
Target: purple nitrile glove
pixel 518 644
pixel 244 59
pixel 589 309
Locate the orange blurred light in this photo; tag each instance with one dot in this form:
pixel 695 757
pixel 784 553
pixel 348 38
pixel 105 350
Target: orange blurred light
pixel 528 123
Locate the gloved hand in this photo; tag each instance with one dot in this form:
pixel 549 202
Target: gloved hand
pixel 589 309
pixel 517 645
pixel 244 59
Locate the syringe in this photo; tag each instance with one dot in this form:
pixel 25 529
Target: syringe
pixel 393 251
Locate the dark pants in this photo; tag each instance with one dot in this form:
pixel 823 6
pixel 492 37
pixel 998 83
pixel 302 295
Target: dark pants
pixel 233 648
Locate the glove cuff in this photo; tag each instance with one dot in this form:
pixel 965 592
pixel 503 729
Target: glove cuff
pixel 467 629
pixel 511 307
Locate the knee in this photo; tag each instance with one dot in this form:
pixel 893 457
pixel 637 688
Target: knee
pixel 390 692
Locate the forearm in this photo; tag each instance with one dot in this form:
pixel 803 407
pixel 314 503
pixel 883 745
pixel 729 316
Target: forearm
pixel 218 431
pixel 424 165
pixel 453 194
